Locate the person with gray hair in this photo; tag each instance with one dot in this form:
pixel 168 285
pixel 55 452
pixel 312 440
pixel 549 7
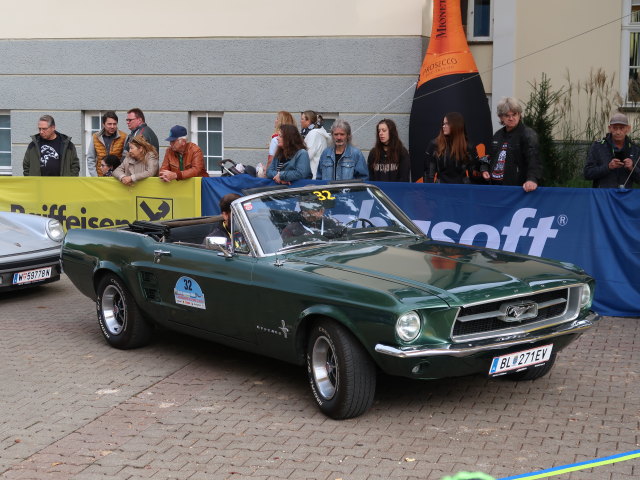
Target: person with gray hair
pixel 613 161
pixel 341 160
pixel 50 153
pixel 183 159
pixel 514 155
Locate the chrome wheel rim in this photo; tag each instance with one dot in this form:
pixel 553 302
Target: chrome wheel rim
pixel 113 310
pixel 325 367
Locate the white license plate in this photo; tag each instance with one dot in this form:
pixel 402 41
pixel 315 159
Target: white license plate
pixel 519 360
pixel 30 276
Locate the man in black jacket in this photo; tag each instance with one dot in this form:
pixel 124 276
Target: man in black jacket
pixel 50 153
pixel 611 162
pixel 515 159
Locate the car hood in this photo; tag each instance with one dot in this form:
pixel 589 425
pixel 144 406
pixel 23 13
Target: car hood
pixel 21 234
pixel 457 274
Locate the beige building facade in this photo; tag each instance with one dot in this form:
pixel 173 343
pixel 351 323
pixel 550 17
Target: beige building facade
pixel 224 69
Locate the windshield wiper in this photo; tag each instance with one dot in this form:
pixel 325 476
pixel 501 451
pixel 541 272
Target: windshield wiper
pixel 382 230
pixel 302 244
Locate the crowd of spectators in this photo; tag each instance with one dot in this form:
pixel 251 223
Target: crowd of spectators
pixel 312 152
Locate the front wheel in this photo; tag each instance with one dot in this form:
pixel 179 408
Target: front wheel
pixel 341 373
pixel 120 319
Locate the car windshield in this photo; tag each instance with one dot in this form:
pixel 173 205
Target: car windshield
pixel 288 220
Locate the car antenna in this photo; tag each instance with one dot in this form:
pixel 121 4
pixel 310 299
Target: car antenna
pixel 278 262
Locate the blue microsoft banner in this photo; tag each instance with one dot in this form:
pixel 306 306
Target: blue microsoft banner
pixel 599 230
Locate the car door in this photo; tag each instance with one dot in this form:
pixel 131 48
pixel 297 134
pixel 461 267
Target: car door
pixel 203 289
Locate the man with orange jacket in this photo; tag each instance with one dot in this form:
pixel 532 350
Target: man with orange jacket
pixel 183 159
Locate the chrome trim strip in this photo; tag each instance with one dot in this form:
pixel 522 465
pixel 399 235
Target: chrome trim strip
pixel 576 326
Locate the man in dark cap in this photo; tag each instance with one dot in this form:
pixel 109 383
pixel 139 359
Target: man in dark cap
pixel 183 159
pixel 312 221
pixel 612 161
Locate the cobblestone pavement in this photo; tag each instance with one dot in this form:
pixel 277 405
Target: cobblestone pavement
pixel 74 408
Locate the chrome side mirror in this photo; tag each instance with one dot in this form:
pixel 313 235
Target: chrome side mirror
pixel 219 244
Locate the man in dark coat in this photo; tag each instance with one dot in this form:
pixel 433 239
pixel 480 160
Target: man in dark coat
pixel 515 159
pixel 612 161
pixel 50 153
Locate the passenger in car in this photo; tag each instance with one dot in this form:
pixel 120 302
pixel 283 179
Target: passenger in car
pixel 223 228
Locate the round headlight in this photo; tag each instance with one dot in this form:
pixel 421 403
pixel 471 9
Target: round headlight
pixel 585 296
pixel 408 326
pixel 55 230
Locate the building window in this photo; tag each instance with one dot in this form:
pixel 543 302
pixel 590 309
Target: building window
pixel 91 125
pixel 328 119
pixel 5 144
pixel 479 19
pixel 206 132
pixel 630 73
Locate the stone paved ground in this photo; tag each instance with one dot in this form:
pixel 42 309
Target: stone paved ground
pixel 74 408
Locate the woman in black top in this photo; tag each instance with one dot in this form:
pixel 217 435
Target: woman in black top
pixel 388 160
pixel 450 157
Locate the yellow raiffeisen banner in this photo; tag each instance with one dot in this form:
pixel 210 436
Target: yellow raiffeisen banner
pixel 92 202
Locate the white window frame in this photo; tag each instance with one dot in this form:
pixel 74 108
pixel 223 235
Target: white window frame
pixel 470 23
pixel 194 116
pixel 627 29
pixel 88 132
pixel 7 170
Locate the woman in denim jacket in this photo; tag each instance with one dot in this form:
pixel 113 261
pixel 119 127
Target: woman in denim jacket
pixel 342 161
pixel 291 160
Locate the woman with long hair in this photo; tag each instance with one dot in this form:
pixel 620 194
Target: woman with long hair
pixel 315 137
pixel 450 157
pixel 291 160
pixel 141 162
pixel 388 160
pixel 282 118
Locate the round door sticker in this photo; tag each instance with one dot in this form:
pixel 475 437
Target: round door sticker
pixel 188 292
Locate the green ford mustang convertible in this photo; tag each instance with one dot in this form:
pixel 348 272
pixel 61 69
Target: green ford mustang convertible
pixel 337 277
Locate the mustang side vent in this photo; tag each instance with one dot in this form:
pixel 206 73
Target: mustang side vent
pixel 149 285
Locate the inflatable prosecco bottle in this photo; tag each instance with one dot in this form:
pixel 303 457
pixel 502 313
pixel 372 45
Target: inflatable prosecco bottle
pixel 449 82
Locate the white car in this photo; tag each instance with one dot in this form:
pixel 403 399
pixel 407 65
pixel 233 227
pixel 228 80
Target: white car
pixel 29 250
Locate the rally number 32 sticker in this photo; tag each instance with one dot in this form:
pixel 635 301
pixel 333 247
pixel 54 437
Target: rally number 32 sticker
pixel 188 292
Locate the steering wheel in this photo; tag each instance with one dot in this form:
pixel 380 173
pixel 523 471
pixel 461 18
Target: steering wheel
pixel 364 221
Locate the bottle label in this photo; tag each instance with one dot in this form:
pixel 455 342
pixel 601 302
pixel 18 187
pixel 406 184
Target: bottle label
pixel 497 174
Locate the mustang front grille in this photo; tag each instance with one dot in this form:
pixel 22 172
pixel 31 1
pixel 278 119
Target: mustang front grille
pixel 513 315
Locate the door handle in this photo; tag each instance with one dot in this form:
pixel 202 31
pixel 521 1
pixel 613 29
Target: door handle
pixel 160 253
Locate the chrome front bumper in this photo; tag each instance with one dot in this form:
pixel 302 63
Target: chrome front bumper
pixel 465 350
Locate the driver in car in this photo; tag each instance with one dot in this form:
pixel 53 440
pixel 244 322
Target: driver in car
pixel 312 222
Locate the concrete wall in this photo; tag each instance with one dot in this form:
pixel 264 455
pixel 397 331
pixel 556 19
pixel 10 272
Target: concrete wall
pixel 247 80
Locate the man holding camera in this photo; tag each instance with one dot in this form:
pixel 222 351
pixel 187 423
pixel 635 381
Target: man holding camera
pixel 612 161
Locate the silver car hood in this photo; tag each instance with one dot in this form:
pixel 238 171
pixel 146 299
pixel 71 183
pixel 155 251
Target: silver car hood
pixel 21 234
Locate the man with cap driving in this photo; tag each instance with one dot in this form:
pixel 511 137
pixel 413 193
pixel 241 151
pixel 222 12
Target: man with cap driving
pixel 612 161
pixel 183 159
pixel 311 222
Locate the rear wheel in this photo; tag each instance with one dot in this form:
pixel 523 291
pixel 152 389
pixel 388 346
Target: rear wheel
pixel 341 373
pixel 120 319
pixel 533 372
